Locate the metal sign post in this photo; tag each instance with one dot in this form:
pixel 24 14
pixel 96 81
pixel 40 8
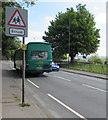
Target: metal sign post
pixel 23 73
pixel 17 26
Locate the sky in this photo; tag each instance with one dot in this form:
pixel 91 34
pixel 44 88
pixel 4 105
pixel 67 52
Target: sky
pixel 40 15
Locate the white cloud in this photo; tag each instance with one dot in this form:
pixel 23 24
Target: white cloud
pixel 101 52
pixel 34 36
pixel 96 8
pixel 101 24
pixel 101 18
pixel 102 49
pixel 48 19
pixel 73 1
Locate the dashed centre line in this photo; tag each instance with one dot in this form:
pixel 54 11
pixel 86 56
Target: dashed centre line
pixel 33 83
pixel 62 78
pixel 94 88
pixel 67 107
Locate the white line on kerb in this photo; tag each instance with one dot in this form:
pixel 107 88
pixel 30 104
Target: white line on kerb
pixel 94 88
pixel 62 78
pixel 33 83
pixel 70 109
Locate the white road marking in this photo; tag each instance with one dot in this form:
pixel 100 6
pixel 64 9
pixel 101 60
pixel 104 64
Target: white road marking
pixel 33 83
pixel 66 72
pixel 11 66
pixel 70 109
pixel 83 76
pixel 94 88
pixel 62 78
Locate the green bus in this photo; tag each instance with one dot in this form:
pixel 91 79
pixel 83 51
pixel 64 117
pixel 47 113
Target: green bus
pixel 38 58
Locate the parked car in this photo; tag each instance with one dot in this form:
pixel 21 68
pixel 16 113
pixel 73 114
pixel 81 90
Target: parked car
pixel 55 67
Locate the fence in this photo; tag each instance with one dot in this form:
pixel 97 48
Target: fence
pixel 89 67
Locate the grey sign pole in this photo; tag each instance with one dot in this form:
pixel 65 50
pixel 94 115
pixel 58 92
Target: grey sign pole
pixel 23 73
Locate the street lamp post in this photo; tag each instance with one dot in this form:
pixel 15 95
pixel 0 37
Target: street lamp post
pixel 69 37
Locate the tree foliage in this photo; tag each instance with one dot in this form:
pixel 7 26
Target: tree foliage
pixel 84 37
pixel 10 44
pixel 95 59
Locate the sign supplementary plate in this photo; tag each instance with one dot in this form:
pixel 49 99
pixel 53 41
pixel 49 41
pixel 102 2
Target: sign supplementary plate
pixel 16 31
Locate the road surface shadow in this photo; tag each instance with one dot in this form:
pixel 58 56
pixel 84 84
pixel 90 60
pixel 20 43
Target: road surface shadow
pixel 33 75
pixel 11 73
pixel 18 74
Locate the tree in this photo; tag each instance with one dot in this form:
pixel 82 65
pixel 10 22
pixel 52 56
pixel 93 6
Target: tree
pixel 9 44
pixel 83 33
pixel 95 59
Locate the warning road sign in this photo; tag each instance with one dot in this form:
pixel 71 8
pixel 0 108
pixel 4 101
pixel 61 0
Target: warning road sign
pixel 16 22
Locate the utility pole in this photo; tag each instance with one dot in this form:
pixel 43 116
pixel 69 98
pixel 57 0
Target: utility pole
pixel 69 37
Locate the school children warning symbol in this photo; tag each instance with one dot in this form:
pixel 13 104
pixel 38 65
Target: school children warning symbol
pixel 16 20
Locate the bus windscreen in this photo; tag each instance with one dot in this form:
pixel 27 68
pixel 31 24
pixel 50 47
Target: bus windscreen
pixel 39 55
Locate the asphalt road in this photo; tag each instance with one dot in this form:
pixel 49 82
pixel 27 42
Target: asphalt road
pixel 67 95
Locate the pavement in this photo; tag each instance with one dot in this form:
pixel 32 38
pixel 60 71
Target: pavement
pixel 11 98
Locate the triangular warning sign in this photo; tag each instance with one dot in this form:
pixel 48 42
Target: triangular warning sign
pixel 16 20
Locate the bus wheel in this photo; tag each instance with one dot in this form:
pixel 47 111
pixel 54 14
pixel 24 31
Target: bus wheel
pixel 39 74
pixel 20 70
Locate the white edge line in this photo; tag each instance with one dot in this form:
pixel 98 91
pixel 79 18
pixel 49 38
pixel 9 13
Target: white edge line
pixel 70 109
pixel 94 88
pixel 33 83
